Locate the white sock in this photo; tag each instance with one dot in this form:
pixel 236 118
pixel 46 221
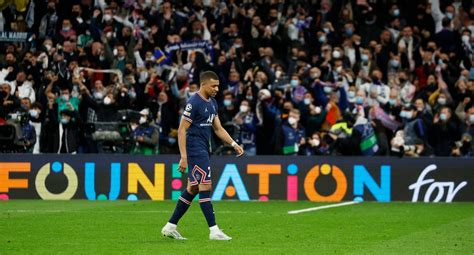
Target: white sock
pixel 214 228
pixel 171 225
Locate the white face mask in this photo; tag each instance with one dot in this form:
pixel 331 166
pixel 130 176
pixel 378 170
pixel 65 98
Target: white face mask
pixel 336 54
pixel 142 120
pixel 244 108
pixel 466 38
pixel 191 93
pixel 33 113
pixel 442 101
pixel 307 101
pixel 48 47
pixel 292 120
pixel 107 100
pixel 339 69
pixel 107 17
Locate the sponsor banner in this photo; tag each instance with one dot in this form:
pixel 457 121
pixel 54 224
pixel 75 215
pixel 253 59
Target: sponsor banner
pixel 14 36
pixel 112 177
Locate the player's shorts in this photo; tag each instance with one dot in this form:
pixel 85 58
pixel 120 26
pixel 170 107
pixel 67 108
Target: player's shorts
pixel 199 170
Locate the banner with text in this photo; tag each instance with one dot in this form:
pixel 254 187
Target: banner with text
pixel 112 177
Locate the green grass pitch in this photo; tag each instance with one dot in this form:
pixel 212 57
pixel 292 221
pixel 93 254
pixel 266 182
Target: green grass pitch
pixel 124 227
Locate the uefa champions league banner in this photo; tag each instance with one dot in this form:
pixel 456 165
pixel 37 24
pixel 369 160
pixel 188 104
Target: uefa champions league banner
pixel 112 177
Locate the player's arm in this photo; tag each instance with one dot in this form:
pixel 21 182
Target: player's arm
pixel 182 129
pixel 225 137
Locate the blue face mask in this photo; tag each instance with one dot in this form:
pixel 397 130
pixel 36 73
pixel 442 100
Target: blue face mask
pixel 307 101
pixel 322 39
pixel 349 32
pixel 443 117
pixel 327 89
pixel 64 121
pixel 392 101
pixel 359 100
pixel 449 15
pixel 471 118
pixel 351 94
pixel 396 12
pixel 227 102
pixel 294 83
pixel 364 57
pixel 394 63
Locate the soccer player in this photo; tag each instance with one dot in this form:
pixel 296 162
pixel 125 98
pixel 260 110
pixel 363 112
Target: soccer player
pixel 194 133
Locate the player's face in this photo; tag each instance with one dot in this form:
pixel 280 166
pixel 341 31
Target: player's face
pixel 212 87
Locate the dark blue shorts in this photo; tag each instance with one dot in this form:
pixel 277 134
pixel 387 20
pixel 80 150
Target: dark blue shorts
pixel 199 170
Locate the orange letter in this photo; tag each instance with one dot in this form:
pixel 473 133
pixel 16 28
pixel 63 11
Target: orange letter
pixel 263 172
pixel 337 174
pixel 6 183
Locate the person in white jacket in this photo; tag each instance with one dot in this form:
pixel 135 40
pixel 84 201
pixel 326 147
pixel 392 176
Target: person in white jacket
pixel 23 88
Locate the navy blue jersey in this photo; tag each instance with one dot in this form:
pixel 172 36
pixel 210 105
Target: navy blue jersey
pixel 201 113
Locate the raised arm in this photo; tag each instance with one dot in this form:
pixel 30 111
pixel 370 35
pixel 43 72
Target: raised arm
pixel 225 137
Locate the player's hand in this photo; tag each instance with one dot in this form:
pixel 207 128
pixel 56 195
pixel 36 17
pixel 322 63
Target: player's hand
pixel 183 163
pixel 238 150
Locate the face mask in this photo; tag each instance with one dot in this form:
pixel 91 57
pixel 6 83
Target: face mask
pixel 65 97
pixel 258 84
pixel 443 117
pixel 250 98
pixel 294 83
pixel 98 95
pixel 327 89
pixel 449 15
pixel 291 120
pixel 322 39
pixel 394 63
pixel 442 101
pixel 339 69
pixel 66 29
pixel 107 100
pixel 315 75
pixel 121 58
pixel 33 113
pixel 244 108
pixel 420 109
pixel 316 142
pixel 64 121
pixel 359 100
pixel 227 102
pixel 364 57
pixel 351 94
pixel 48 47
pixel 307 101
pixel 392 101
pixel 407 115
pixel 326 30
pixel 141 23
pixel 465 39
pixel 396 12
pixel 107 17
pixel 471 118
pixel 336 54
pixel 191 93
pixel 349 31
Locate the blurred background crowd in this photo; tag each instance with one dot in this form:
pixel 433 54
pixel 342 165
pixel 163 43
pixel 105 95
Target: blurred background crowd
pixel 321 77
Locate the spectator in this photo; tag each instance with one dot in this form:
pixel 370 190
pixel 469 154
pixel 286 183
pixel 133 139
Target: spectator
pixel 145 135
pixel 247 122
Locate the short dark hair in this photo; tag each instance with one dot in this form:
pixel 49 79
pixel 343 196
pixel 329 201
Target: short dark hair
pixel 207 75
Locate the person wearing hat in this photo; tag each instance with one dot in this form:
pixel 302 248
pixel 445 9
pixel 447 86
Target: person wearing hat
pixel 145 135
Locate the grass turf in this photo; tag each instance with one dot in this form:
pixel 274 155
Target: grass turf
pixel 123 227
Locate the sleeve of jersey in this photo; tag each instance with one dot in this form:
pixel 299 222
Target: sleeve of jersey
pixel 189 112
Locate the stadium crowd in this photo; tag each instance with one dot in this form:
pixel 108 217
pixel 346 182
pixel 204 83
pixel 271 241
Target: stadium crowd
pixel 314 77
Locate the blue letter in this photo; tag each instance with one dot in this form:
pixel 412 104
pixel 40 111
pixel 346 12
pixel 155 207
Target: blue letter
pixel 230 173
pixel 362 177
pixel 90 181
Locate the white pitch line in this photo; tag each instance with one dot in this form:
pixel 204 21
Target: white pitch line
pixel 322 207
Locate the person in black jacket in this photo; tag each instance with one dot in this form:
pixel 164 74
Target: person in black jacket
pixel 444 133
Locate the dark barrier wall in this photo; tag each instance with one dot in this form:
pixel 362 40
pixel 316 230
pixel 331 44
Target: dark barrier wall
pixel 111 177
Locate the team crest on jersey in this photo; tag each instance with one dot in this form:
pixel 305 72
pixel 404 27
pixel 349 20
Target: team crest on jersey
pixel 188 107
pixel 205 110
